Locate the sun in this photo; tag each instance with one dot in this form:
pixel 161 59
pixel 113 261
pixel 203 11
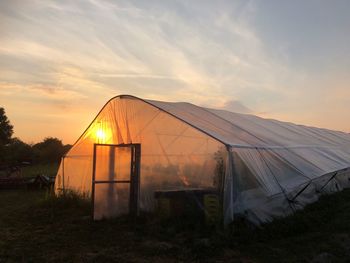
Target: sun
pixel 100 134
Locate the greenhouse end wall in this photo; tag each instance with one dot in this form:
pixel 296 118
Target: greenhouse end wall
pixel 174 155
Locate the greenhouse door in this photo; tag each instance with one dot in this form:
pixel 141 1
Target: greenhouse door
pixel 115 180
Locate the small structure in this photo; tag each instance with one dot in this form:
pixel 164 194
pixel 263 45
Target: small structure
pixel 260 168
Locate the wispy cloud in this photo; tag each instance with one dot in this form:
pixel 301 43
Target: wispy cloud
pixel 81 53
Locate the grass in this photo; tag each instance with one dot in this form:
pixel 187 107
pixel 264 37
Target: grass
pixel 38 227
pixel 321 228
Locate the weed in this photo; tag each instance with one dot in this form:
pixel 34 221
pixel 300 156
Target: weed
pixel 39 226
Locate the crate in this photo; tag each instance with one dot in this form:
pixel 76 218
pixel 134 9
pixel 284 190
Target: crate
pixel 201 204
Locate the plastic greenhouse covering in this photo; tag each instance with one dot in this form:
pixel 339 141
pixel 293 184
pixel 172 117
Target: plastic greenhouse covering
pixel 263 168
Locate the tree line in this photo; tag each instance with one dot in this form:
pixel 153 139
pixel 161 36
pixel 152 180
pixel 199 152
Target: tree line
pixel 13 151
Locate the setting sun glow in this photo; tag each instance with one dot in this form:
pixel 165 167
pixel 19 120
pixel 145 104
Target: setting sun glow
pixel 100 135
pixel 249 57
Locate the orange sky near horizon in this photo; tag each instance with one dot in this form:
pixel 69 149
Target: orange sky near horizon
pixel 60 62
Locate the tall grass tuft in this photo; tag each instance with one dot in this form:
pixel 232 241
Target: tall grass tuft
pixel 67 205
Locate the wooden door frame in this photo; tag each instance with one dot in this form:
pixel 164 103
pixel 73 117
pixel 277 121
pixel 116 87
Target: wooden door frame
pixel 134 189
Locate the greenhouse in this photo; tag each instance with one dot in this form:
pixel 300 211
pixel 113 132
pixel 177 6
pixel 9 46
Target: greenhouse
pixel 136 150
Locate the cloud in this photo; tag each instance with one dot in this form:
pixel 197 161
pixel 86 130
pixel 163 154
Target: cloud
pixel 79 54
pixel 47 94
pixel 236 106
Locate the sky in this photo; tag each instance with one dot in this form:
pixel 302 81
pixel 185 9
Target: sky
pixel 61 61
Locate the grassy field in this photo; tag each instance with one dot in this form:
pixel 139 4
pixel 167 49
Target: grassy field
pixel 37 227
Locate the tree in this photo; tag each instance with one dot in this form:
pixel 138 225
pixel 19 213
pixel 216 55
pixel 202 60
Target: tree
pixel 50 150
pixel 6 129
pixel 16 152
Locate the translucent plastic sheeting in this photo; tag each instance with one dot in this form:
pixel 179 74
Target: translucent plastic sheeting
pixel 112 181
pixel 112 163
pixel 243 130
pixel 270 160
pixel 258 207
pixel 174 155
pixel 111 200
pixel 275 183
pixel 183 146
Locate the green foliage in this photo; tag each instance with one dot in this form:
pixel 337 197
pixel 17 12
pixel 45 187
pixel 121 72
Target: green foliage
pixel 67 200
pixel 6 129
pixel 50 150
pixel 16 152
pixel 13 151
